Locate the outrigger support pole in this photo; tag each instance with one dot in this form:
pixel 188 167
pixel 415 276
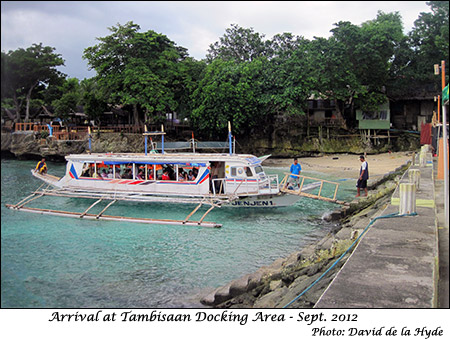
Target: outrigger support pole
pixel 162 139
pixel 206 213
pixel 90 139
pixel 146 138
pixel 104 209
pixel 192 213
pixel 90 207
pixel 230 143
pixel 157 133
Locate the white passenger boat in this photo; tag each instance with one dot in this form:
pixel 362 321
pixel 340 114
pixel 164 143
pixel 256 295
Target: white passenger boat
pixel 214 180
pixel 235 180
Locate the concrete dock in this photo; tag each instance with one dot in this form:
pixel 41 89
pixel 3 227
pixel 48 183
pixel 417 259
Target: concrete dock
pixel 401 262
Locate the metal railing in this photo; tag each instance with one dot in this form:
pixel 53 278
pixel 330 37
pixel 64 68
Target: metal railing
pixel 234 186
pixel 284 183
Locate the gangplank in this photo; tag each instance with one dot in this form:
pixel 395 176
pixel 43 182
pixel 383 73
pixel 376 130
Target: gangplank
pixel 318 183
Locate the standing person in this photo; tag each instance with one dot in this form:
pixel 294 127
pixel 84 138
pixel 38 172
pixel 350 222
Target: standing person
pixel 363 176
pixel 296 169
pixel 41 167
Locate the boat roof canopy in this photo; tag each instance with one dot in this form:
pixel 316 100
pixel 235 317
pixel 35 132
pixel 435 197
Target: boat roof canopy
pixel 167 158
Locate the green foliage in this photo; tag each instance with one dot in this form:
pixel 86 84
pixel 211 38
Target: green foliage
pixel 69 99
pixel 25 70
pixel 288 78
pixel 238 44
pixel 92 99
pixel 138 69
pixel 245 78
pixel 429 41
pixel 227 92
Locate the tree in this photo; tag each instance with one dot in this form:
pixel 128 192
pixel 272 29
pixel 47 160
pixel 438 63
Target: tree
pixel 69 99
pixel 333 65
pixel 353 65
pixel 288 76
pixel 228 92
pixel 92 100
pixel 24 70
pixel 138 69
pixel 238 44
pixel 429 41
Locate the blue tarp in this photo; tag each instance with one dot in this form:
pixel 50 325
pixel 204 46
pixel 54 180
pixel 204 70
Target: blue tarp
pixel 152 163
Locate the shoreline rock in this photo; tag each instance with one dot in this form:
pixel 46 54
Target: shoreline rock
pixel 31 145
pixel 278 284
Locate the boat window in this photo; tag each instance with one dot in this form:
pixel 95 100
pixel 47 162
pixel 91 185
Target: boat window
pixel 140 172
pixel 91 170
pixel 87 170
pixel 241 172
pixel 248 171
pixel 166 172
pixel 127 172
pixel 259 169
pixel 185 173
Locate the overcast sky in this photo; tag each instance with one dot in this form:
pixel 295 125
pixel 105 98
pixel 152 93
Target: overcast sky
pixel 72 26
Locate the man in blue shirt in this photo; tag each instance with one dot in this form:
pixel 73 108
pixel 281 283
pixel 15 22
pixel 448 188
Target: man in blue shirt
pixel 295 169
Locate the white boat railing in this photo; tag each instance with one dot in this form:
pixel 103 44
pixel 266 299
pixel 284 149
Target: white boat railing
pixel 235 186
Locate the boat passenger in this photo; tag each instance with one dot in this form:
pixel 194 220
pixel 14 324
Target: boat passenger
pixel 165 176
pixel 110 173
pixel 182 176
pixel 140 174
pixel 118 173
pixel 104 174
pixel 127 174
pixel 191 176
pixel 150 174
pixel 41 167
pixel 86 173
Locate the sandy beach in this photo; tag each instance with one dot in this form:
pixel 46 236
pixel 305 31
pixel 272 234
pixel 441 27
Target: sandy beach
pixel 347 165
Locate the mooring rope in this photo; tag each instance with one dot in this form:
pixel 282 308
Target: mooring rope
pixel 345 253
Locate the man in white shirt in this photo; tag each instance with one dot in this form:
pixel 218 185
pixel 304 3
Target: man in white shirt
pixel 363 176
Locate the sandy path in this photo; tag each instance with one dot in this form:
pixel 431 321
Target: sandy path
pixel 345 165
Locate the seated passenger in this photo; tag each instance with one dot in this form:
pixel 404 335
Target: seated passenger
pixel 165 176
pixel 150 174
pixel 140 175
pixel 191 176
pixel 110 173
pixel 127 174
pixel 182 176
pixel 104 174
pixel 41 167
pixel 86 173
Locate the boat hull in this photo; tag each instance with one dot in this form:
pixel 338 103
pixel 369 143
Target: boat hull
pixel 264 201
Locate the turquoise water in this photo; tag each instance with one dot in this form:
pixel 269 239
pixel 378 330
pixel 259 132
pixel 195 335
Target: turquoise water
pixel 60 262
